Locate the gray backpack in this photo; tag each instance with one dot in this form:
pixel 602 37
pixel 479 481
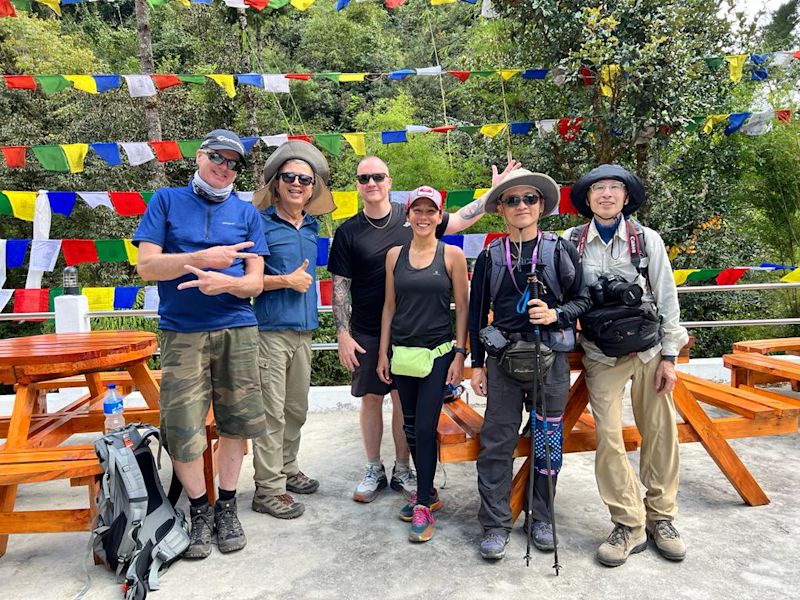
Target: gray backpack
pixel 138 532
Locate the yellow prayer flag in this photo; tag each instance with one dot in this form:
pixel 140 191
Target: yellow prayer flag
pixel 492 129
pixel 225 82
pixel 673 252
pixel 352 77
pixel 792 276
pixel 713 120
pixel 76 154
pixel 302 4
pixel 185 3
pixel 608 75
pixel 438 2
pixel 479 192
pixel 358 141
pixel 680 275
pixel 735 66
pixel 54 5
pixel 132 252
pixel 22 203
pixel 84 83
pixel 100 298
pixel 346 204
pixel 508 73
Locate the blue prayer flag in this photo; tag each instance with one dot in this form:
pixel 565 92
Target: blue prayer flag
pixel 535 73
pixel 323 244
pixel 454 240
pixel 107 82
pixel 776 266
pixel 108 151
pixel 340 4
pixel 248 142
pixel 393 137
pixel 124 297
pixel 250 79
pixel 521 127
pixel 401 74
pixel 62 202
pixel 735 121
pixel 15 253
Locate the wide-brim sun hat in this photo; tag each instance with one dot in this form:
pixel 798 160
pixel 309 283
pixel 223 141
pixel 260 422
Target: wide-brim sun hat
pixel 321 201
pixel 635 188
pixel 544 183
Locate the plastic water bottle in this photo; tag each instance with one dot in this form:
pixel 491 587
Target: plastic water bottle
pixel 112 409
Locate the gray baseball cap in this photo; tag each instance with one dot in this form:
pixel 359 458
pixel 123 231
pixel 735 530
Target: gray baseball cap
pixel 223 139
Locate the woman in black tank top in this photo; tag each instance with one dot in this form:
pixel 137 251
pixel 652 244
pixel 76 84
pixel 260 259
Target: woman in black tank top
pixel 421 279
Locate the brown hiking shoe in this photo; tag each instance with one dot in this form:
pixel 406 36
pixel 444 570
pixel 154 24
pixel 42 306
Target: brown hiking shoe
pixel 202 534
pixel 230 535
pixel 282 506
pixel 667 540
pixel 619 545
pixel 300 483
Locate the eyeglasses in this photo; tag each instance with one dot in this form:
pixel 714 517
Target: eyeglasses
pixel 376 177
pixel 218 159
pixel 611 187
pixel 528 199
pixel 292 177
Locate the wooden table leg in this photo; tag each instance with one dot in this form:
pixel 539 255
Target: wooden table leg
pixel 146 383
pixel 8 496
pixel 20 423
pixel 718 448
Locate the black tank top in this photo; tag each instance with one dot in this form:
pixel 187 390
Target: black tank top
pixel 422 302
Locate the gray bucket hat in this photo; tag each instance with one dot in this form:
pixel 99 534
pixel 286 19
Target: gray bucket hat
pixel 544 183
pixel 321 201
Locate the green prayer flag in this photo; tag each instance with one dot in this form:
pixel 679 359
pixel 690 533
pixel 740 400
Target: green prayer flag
pixel 703 274
pixel 111 251
pixel 331 76
pixel 24 5
pixel 5 205
pixel 52 84
pixel 469 129
pixel 459 198
pixel 714 62
pixel 482 73
pixel 275 4
pixel 195 79
pixel 52 158
pixel 156 3
pixel 51 304
pixel 695 124
pixel 189 148
pixel 332 142
pixel 146 196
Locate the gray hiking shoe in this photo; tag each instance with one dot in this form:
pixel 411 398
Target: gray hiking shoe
pixel 403 481
pixel 374 481
pixel 282 506
pixel 202 535
pixel 543 536
pixel 619 545
pixel 230 535
pixel 493 544
pixel 667 540
pixel 300 483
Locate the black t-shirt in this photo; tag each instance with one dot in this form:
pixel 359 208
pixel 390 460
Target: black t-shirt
pixel 359 252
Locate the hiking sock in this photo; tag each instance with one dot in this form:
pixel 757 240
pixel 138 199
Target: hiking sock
pixel 374 461
pixel 225 495
pixel 402 464
pixel 199 501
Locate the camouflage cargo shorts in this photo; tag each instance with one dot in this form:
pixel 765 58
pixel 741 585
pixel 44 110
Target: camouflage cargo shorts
pixel 201 369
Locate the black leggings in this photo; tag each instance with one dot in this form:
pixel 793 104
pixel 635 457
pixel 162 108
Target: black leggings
pixel 422 402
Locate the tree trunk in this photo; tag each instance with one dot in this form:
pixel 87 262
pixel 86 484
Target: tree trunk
pixel 152 118
pixel 249 98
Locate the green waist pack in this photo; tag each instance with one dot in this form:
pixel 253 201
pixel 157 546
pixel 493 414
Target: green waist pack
pixel 416 362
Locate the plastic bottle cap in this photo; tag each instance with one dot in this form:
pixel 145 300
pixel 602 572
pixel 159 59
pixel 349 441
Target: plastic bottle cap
pixel 112 386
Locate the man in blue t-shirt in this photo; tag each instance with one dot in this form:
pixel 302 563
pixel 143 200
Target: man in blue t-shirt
pixel 205 248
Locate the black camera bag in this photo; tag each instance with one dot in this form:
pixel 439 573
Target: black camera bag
pixel 516 360
pixel 621 330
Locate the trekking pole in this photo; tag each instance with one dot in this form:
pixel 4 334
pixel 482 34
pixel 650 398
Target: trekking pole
pixel 538 387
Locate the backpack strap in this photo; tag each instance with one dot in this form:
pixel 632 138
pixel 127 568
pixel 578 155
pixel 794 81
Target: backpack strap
pixel 495 256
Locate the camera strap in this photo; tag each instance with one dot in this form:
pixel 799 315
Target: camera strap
pixel 525 295
pixel 635 248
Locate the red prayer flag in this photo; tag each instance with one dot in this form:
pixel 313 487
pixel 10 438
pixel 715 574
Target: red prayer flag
pixel 20 82
pixel 565 206
pixel 31 300
pixel 462 76
pixel 7 9
pixel 167 150
pixel 491 237
pixel 587 75
pixel 569 128
pixel 731 276
pixel 784 115
pixel 394 3
pixel 128 204
pixel 444 197
pixel 165 81
pixel 301 138
pixel 14 155
pixel 257 4
pixel 443 129
pixel 326 292
pixel 79 251
pixel 298 76
pixel 796 54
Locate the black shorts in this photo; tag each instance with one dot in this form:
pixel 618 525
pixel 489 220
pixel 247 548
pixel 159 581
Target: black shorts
pixel 365 377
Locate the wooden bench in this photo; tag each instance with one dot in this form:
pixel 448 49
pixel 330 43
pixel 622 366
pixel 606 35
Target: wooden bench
pixel 751 369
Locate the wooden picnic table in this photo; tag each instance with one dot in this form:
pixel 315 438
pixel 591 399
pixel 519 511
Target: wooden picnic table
pixel 751 363
pixel 32 451
pixel 754 413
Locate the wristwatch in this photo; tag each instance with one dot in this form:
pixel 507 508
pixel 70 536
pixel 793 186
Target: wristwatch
pixel 669 358
pixel 460 350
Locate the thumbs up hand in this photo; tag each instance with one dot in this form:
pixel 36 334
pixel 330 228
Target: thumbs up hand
pixel 299 280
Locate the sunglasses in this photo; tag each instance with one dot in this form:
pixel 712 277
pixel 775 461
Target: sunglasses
pixel 528 199
pixel 292 177
pixel 376 177
pixel 218 159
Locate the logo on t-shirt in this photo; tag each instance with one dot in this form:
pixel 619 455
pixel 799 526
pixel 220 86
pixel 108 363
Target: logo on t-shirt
pixel 228 223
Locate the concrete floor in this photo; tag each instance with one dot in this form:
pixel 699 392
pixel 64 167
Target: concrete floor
pixel 341 549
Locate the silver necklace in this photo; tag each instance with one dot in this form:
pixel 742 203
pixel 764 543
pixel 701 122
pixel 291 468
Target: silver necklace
pixel 384 226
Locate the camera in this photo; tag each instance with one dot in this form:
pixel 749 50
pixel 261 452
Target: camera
pixel 609 290
pixel 493 341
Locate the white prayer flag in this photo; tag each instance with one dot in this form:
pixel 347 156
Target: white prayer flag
pixel 473 244
pixel 2 263
pixel 138 152
pixel 246 196
pixel 151 297
pixel 44 254
pixel 5 296
pixel 140 86
pixel 95 199
pixel 759 123
pixel 545 126
pixel 276 83
pixel 428 71
pixel 417 128
pixel 399 197
pixel 275 140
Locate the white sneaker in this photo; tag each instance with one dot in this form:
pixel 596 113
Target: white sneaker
pixel 404 481
pixel 374 481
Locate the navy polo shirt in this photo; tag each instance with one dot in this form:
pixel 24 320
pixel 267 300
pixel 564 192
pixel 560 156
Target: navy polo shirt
pixel 284 308
pixel 179 220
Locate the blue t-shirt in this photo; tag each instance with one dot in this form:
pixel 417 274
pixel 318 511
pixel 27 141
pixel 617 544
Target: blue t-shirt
pixel 284 308
pixel 179 220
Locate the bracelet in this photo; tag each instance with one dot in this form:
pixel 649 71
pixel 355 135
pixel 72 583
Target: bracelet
pixel 670 358
pixel 460 350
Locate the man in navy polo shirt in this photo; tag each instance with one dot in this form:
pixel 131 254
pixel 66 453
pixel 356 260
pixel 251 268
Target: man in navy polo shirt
pixel 205 248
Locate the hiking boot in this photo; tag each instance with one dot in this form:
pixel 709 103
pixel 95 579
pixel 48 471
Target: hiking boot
pixel 202 535
pixel 667 540
pixel 422 524
pixel 300 483
pixel 619 545
pixel 404 481
pixel 542 535
pixel 493 544
pixel 374 481
pixel 230 535
pixel 282 506
pixel 407 512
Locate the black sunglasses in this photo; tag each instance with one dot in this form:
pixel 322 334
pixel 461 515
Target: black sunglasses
pixel 218 159
pixel 289 177
pixel 528 199
pixel 376 177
